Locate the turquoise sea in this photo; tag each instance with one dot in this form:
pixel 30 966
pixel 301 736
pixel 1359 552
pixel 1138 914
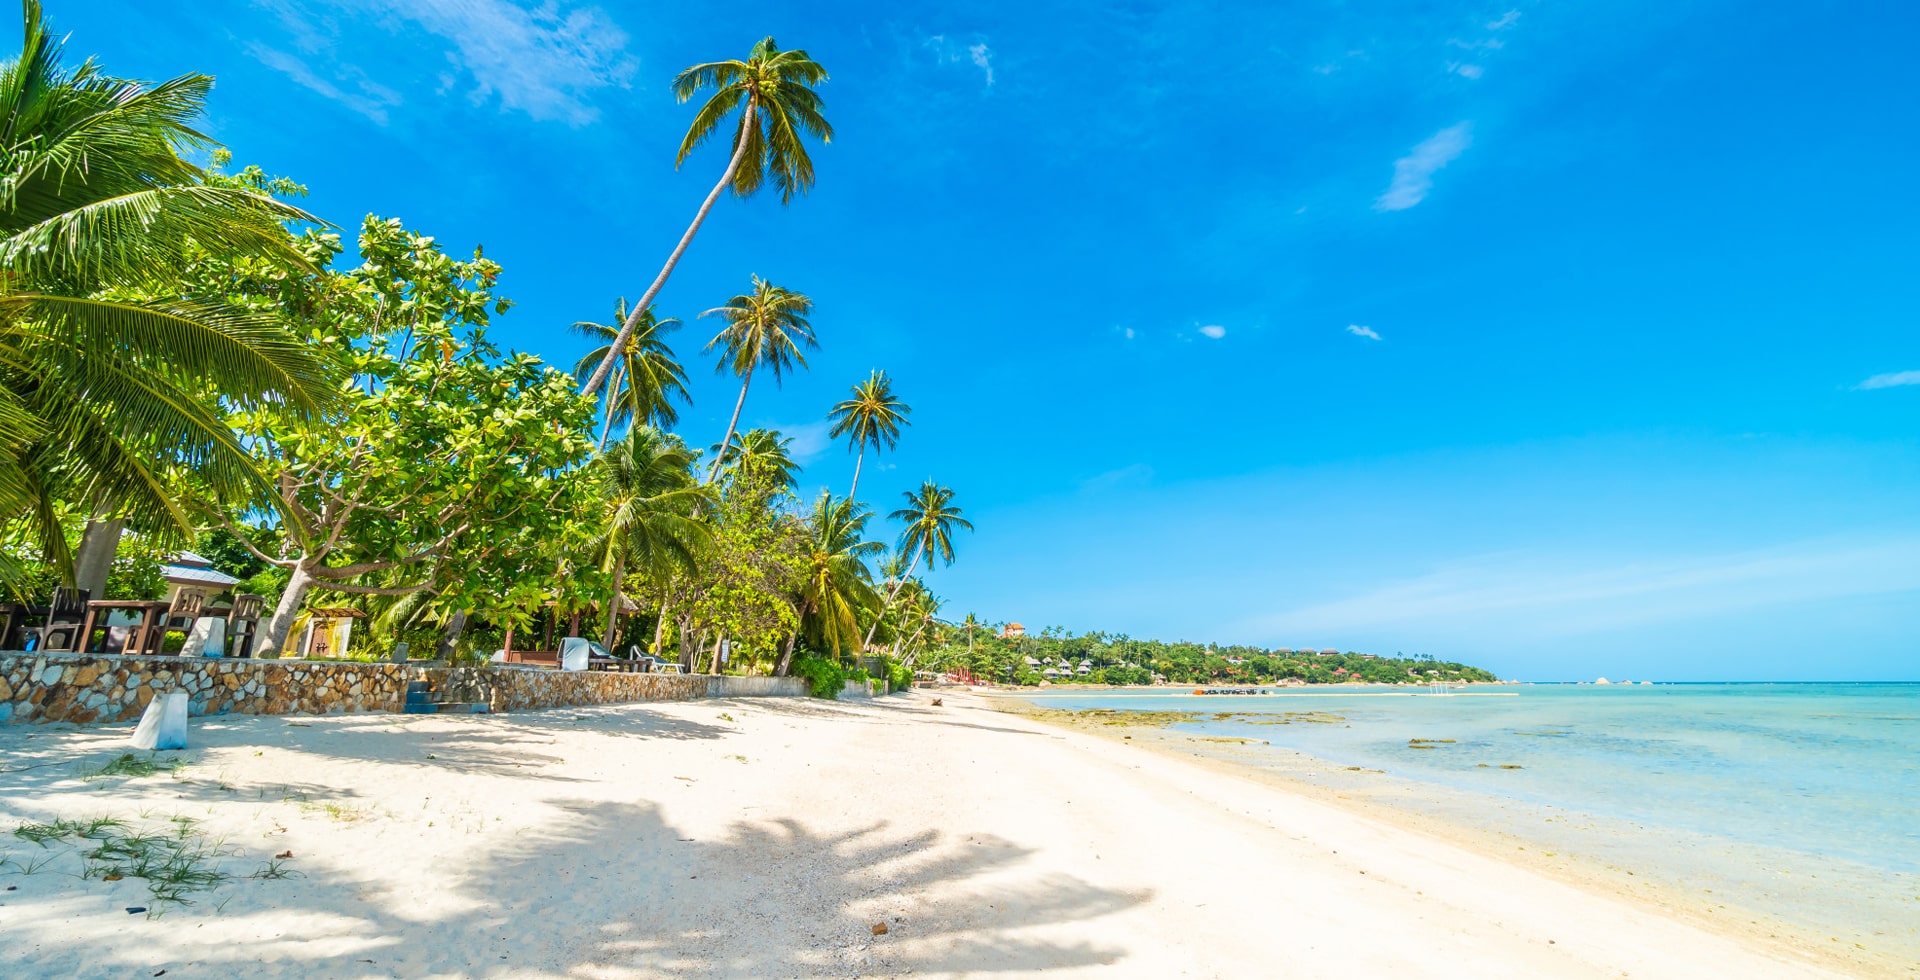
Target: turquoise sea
pixel 1798 801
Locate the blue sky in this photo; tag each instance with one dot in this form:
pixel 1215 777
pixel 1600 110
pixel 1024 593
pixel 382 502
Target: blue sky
pixel 1565 338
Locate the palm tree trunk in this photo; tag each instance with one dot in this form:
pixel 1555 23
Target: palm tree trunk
pixel 450 638
pixel 614 604
pixel 857 460
pixel 732 424
pixel 613 393
pixel 640 308
pixel 786 656
pixel 99 544
pixel 283 612
pixel 660 631
pixel 891 593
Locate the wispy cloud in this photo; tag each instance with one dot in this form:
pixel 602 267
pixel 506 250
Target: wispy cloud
pixel 546 60
pixel 1413 173
pixel 1359 331
pixel 982 59
pixel 1528 598
pixel 810 440
pixel 952 52
pixel 1505 21
pixel 1214 331
pixel 1897 379
pixel 1135 475
pixel 1466 71
pixel 371 100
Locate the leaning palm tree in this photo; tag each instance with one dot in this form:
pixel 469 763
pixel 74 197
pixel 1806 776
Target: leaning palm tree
pixel 762 454
pixel 930 519
pixel 873 416
pixel 765 328
pixel 839 583
pixel 773 90
pixel 647 379
pixel 651 497
pixel 107 373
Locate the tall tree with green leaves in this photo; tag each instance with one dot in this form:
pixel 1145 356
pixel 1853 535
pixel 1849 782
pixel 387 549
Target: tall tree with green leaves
pixel 647 378
pixel 446 461
pixel 773 92
pixel 651 498
pixel 839 582
pixel 872 417
pixel 930 518
pixel 762 453
pixel 108 370
pixel 766 328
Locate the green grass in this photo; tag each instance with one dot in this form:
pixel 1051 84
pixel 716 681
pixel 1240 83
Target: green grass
pixel 130 766
pixel 174 863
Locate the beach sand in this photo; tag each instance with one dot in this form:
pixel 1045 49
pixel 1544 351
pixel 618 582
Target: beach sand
pixel 768 837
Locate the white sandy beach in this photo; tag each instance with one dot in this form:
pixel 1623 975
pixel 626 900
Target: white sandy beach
pixel 766 838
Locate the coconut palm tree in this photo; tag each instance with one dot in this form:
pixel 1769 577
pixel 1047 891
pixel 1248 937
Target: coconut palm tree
pixel 765 328
pixel 648 488
pixel 647 378
pixel 773 91
pixel 107 372
pixel 930 519
pixel 873 416
pixel 839 583
pixel 762 453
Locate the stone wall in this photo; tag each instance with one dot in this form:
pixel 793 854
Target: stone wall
pixel 101 688
pixel 515 688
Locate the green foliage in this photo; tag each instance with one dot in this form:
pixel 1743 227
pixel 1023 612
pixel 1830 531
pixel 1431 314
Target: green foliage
pixel 824 677
pixel 447 465
pixel 777 87
pixel 899 677
pixel 1120 659
pixel 109 359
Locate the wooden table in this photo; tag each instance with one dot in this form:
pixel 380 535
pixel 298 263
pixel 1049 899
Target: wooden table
pixel 150 632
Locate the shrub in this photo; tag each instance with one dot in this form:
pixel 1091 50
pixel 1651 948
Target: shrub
pixel 824 677
pixel 899 678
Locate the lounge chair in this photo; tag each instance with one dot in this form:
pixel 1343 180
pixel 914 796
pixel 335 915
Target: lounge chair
pixel 186 606
pixel 66 621
pixel 243 624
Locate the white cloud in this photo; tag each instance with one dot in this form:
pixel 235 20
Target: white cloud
pixel 1129 333
pixel 951 52
pixel 1466 71
pixel 1897 379
pixel 1214 330
pixel 1490 44
pixel 1506 20
pixel 371 101
pixel 1360 331
pixel 545 61
pixel 1413 173
pixel 982 58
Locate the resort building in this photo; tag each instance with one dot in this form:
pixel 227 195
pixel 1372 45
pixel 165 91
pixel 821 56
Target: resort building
pixel 186 570
pixel 1013 630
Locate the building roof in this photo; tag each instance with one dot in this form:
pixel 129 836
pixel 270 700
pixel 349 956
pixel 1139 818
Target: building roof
pixel 342 613
pixel 183 573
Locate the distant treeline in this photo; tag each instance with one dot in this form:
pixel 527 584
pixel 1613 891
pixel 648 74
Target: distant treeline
pixel 1119 659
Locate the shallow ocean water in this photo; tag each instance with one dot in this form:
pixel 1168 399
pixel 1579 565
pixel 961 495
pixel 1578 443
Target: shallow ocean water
pixel 1800 801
